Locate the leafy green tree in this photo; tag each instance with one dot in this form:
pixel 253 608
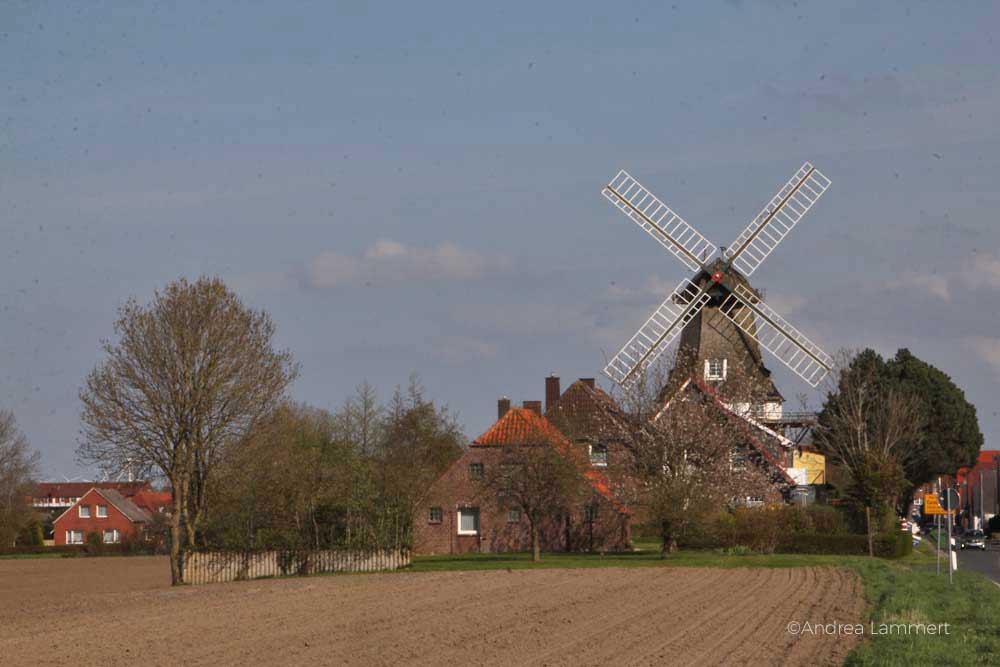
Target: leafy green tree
pixel 865 423
pixel 951 438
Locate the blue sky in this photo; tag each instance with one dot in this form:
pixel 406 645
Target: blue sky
pixel 416 187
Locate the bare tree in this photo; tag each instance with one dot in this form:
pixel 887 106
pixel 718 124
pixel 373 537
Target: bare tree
pixel 190 372
pixel 362 420
pixel 421 440
pixel 863 426
pixel 537 478
pixel 18 468
pixel 695 456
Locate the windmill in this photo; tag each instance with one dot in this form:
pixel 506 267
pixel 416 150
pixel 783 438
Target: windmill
pixel 720 286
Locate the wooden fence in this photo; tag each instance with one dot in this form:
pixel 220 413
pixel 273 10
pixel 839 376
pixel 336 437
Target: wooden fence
pixel 209 567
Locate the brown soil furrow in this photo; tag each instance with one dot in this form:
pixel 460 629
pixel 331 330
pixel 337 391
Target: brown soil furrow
pixel 120 611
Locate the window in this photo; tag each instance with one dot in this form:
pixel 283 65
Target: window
pixel 434 515
pixel 755 501
pixel 715 369
pixel 102 511
pixel 468 521
pixel 737 460
pixel 590 513
pixel 74 537
pixel 111 536
pixel 475 470
pixel 599 456
pixel 514 515
pixel 84 511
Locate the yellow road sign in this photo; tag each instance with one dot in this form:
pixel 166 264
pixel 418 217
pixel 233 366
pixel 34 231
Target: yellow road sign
pixel 933 506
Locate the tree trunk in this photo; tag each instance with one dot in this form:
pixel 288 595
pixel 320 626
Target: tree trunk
pixel 177 533
pixel 669 542
pixel 536 550
pixel 871 542
pixel 176 553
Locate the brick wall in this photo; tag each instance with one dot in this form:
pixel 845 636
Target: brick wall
pixel 71 520
pixel 455 490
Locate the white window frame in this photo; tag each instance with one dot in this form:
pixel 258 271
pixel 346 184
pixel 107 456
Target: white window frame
pixel 474 511
pixel 115 536
pixel 70 534
pixel 590 453
pixel 514 515
pixel 100 514
pixel 709 375
pixel 81 513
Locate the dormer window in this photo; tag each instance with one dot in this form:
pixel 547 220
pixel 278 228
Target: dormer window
pixel 715 369
pixel 599 456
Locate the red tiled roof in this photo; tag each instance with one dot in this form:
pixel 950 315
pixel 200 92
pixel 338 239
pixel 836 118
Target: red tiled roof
pixel 77 489
pixel 520 427
pixel 153 500
pixel 526 427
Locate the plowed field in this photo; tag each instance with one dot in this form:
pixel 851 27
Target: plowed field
pixel 121 611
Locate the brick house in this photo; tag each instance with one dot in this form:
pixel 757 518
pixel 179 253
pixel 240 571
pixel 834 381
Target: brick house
pixel 458 517
pixel 109 514
pixel 760 445
pixel 592 420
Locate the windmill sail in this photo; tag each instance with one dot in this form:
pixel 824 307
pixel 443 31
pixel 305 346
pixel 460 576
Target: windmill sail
pixel 669 229
pixel 655 335
pixel 777 336
pixel 771 225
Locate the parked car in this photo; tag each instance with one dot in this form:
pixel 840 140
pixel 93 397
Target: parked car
pixel 973 539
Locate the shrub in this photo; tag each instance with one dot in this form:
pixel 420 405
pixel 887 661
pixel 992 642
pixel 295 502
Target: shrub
pixel 94 543
pixel 792 529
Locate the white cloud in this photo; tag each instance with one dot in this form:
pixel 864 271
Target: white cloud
pixel 388 262
pixel 930 283
pixel 981 271
pixel 988 350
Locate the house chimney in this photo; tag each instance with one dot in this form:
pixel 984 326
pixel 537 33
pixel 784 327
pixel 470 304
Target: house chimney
pixel 588 381
pixel 503 405
pixel 551 391
pixel 534 406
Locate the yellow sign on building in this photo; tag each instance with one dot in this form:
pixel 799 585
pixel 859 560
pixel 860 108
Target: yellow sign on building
pixel 814 464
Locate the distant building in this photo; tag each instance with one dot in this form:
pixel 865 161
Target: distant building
pixel 111 515
pixel 62 495
pixel 977 486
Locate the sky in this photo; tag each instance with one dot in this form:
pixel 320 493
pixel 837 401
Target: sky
pixel 415 187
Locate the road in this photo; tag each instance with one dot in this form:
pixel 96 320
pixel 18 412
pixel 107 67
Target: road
pixel 984 562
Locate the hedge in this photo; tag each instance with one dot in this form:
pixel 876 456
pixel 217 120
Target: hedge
pixel 791 529
pixel 72 550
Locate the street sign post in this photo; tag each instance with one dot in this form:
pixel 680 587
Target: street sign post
pixel 949 498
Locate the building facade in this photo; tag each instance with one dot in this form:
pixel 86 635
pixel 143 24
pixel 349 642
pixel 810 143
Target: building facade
pixel 110 516
pixel 460 516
